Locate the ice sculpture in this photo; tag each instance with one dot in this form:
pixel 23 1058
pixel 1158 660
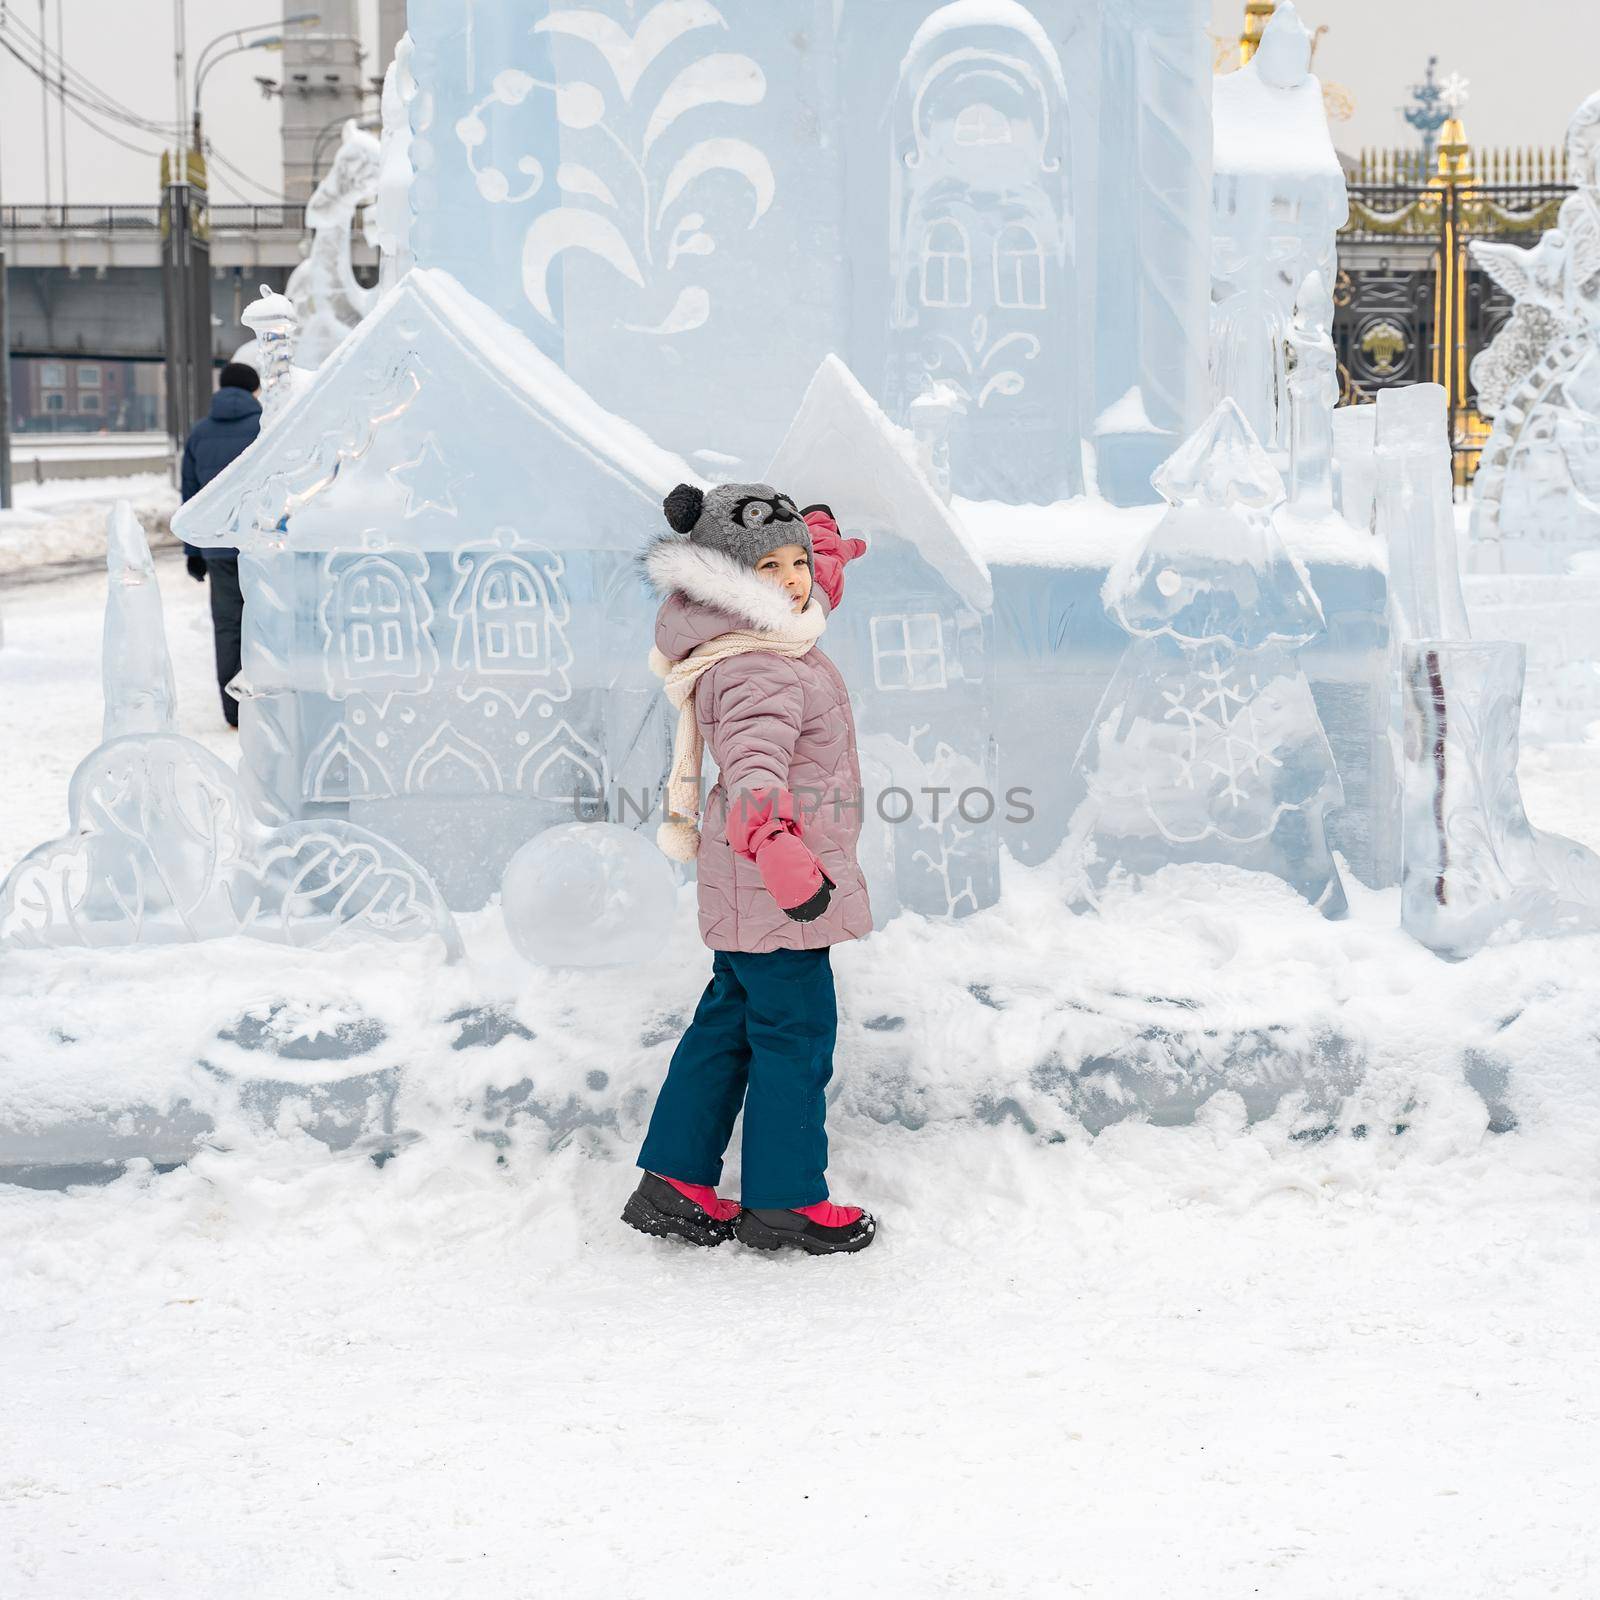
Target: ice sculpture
pixel 135 668
pixel 1207 745
pixel 1475 869
pixel 1536 496
pixel 272 318
pixel 1355 442
pixel 913 639
pixel 1416 514
pixel 662 197
pixel 588 894
pixel 1279 201
pixel 168 845
pixel 1151 224
pixel 1313 395
pixel 980 113
pixel 433 648
pixel 327 298
pixel 389 226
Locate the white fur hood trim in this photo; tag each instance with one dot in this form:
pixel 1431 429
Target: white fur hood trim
pixel 675 566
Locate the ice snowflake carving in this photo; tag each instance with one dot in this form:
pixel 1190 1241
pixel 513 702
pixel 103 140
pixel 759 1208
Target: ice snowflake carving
pixel 652 229
pixel 1207 745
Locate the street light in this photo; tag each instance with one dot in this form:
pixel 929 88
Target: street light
pixel 270 41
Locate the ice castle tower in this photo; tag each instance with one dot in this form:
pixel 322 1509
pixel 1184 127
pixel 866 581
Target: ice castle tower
pixel 691 205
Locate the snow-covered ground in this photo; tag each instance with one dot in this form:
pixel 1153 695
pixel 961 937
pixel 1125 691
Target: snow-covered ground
pixel 1350 1355
pixel 62 522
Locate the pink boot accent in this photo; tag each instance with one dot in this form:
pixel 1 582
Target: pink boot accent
pixel 826 1214
pixel 708 1200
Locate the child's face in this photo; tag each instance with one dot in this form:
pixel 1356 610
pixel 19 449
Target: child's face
pixel 788 568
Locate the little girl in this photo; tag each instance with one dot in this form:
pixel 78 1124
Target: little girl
pixel 747 584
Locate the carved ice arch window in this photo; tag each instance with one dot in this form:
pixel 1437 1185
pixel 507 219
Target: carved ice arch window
pixel 908 651
pixel 563 767
pixel 375 616
pixel 1019 268
pixel 980 123
pixel 510 613
pixel 946 265
pixel 379 616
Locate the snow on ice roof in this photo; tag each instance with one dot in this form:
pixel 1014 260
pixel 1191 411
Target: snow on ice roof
pixel 228 510
pixel 842 448
pixel 1259 128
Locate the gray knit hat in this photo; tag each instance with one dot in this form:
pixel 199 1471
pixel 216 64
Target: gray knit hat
pixel 742 520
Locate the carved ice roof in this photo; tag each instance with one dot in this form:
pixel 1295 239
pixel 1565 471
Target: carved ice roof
pixel 437 424
pixel 842 449
pixel 964 14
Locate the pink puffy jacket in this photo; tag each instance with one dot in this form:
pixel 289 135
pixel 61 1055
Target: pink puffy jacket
pixel 781 732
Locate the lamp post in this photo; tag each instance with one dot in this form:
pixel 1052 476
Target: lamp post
pixel 268 41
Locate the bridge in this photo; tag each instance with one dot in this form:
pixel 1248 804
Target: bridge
pixel 86 280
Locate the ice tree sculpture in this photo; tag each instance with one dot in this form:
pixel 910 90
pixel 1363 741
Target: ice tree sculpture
pixel 1476 871
pixel 1313 395
pixel 327 297
pixel 135 668
pixel 167 845
pixel 1416 514
pixel 1207 746
pixel 1536 497
pixel 1279 202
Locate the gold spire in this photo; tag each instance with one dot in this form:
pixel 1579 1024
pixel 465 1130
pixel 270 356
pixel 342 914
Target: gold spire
pixel 1256 13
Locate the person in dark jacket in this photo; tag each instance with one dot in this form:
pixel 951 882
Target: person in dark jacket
pixel 215 441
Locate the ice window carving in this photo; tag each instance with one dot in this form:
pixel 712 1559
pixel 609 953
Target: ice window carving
pixel 1019 268
pixel 375 608
pixel 946 265
pixel 908 651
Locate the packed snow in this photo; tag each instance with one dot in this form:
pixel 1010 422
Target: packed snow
pixel 1349 1352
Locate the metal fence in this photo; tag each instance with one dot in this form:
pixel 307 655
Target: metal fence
pixel 101 220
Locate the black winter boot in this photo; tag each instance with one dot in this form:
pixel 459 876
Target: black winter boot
pixel 656 1208
pixel 792 1230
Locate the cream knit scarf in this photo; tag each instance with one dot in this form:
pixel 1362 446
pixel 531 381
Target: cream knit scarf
pixel 679 835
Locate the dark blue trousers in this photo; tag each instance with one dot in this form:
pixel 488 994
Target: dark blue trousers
pixel 762 1034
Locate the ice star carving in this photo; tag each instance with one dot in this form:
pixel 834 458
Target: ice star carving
pixel 428 482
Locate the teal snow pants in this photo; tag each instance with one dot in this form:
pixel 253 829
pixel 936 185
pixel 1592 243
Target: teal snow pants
pixel 763 1034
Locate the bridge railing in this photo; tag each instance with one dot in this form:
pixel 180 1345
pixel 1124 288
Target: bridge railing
pixel 101 220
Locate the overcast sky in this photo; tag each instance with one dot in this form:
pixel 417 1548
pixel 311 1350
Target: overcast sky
pixel 1529 63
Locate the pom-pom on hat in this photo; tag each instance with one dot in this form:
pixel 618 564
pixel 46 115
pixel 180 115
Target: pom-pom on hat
pixel 743 521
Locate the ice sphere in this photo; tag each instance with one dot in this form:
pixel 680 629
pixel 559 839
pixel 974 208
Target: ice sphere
pixel 1475 868
pixel 588 894
pixel 1416 515
pixel 135 668
pixel 1207 745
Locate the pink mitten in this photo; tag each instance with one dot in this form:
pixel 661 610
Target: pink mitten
pixel 829 553
pixel 764 827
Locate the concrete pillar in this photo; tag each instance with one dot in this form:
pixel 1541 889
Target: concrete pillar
pixel 322 89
